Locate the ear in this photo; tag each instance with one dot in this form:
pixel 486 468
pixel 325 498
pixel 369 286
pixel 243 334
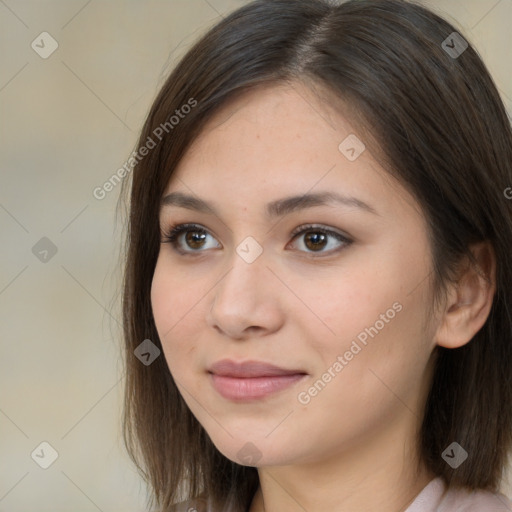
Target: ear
pixel 469 300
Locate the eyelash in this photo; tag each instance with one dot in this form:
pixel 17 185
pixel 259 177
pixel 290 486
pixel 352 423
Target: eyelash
pixel 175 231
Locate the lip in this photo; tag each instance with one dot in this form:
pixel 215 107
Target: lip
pixel 247 369
pixel 251 380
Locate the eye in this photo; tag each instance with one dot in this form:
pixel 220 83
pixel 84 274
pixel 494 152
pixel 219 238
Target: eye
pixel 194 236
pixel 316 240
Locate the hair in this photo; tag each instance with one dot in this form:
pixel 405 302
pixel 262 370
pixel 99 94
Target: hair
pixel 443 132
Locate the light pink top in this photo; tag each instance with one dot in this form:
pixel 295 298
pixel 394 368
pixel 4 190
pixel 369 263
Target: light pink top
pixel 435 498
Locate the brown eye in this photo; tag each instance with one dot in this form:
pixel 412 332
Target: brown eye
pixel 315 239
pixel 194 238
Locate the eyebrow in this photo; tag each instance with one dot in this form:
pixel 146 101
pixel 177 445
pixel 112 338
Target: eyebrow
pixel 278 208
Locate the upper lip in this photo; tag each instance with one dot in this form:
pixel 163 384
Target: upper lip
pixel 246 369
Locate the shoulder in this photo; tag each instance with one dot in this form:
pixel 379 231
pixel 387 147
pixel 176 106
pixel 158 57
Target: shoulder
pixel 463 500
pixel 437 497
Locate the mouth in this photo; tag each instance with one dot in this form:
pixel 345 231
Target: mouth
pixel 251 380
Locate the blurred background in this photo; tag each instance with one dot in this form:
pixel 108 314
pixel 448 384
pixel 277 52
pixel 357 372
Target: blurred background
pixel 77 78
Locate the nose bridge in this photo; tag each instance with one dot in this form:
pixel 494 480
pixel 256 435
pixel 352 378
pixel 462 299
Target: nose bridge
pixel 247 267
pixel 242 298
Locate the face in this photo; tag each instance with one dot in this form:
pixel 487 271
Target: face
pixel 332 292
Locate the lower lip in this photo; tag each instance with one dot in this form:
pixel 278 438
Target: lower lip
pixel 252 388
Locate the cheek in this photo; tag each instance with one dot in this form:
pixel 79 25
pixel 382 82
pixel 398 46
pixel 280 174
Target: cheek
pixel 377 378
pixel 173 297
pixel 374 314
pixel 385 352
pixel 162 302
pixel 346 302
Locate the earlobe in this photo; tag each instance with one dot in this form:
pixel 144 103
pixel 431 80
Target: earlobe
pixel 469 301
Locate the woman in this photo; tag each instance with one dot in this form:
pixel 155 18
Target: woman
pixel 318 264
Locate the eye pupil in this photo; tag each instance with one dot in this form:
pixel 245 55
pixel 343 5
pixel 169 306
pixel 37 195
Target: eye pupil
pixel 318 240
pixel 193 237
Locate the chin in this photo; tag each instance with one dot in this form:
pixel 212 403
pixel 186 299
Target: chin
pixel 257 451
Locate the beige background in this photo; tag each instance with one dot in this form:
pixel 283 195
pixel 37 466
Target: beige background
pixel 67 124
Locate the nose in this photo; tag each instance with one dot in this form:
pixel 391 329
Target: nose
pixel 246 300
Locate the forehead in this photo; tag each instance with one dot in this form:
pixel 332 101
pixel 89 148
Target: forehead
pixel 284 113
pixel 279 131
pixel 282 140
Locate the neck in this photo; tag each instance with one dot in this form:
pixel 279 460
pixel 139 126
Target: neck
pixel 381 474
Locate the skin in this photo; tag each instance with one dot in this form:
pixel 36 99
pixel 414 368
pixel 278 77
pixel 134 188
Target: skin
pixel 295 307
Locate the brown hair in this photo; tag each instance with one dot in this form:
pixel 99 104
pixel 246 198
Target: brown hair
pixel 444 132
